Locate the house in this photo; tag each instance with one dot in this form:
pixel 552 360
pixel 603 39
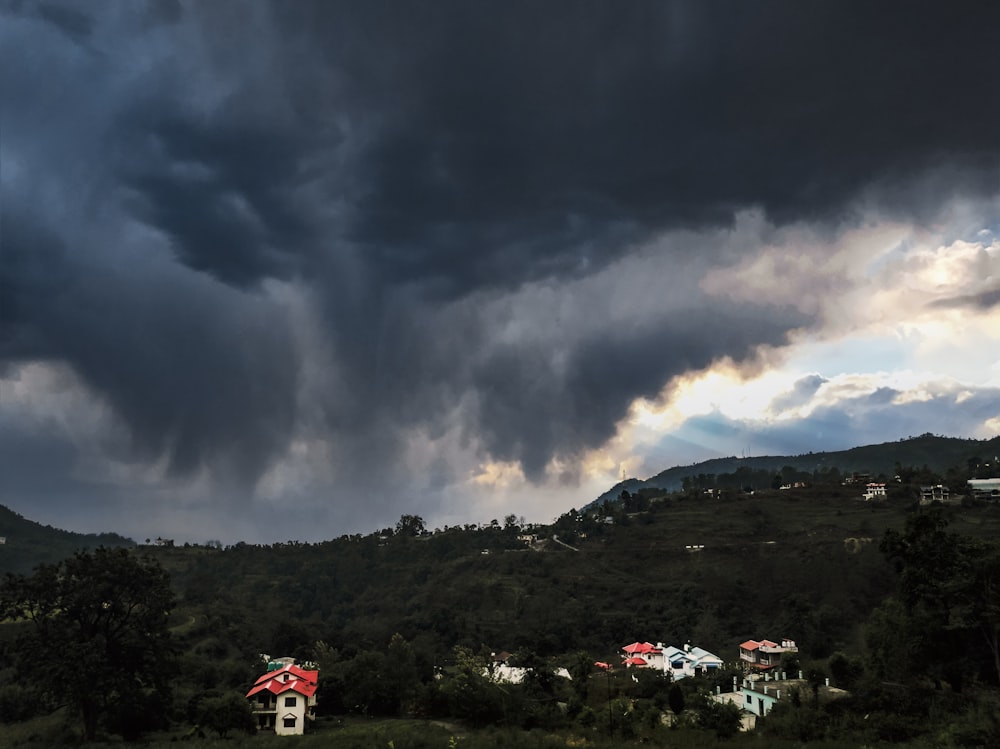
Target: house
pixel 283 700
pixel 689 661
pixel 643 655
pixel 874 490
pixel 759 696
pixel 764 655
pixel 985 488
pixel 930 494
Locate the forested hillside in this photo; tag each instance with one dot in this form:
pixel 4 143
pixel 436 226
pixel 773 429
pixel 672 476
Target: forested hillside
pixel 27 543
pixel 402 621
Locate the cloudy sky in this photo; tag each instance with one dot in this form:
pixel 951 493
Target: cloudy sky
pixel 287 271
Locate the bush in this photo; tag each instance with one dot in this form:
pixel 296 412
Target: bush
pixel 225 713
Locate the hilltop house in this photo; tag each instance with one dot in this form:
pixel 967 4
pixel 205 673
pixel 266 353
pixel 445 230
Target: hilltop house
pixel 764 655
pixel 284 699
pixel 874 490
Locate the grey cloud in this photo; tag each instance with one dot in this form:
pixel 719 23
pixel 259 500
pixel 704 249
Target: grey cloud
pixel 70 20
pixel 801 393
pixel 197 377
pixel 223 193
pixel 983 300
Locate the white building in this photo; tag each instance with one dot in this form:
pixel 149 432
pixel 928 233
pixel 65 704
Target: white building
pixel 874 490
pixel 937 493
pixel 985 488
pixel 689 661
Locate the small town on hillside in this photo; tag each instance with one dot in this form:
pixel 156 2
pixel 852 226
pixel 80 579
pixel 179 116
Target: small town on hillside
pixel 283 699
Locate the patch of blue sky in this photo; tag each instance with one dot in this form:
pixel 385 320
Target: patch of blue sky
pixel 862 355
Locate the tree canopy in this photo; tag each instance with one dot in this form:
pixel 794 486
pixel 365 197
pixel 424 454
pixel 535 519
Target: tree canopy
pixel 98 639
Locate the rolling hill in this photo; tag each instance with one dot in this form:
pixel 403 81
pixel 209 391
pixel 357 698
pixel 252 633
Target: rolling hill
pixel 938 454
pixel 28 544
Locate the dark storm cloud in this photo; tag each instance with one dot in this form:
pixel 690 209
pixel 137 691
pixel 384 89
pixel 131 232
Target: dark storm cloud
pixel 74 23
pixel 196 377
pixel 536 410
pixel 396 163
pixel 222 194
pixel 644 115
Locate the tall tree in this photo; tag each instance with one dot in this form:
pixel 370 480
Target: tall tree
pixel 945 619
pixel 99 636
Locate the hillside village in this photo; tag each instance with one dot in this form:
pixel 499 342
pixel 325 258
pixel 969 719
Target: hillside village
pixel 784 610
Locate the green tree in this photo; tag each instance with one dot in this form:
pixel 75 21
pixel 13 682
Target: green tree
pixel 724 718
pixel 225 713
pixel 410 525
pixel 99 634
pixel 472 696
pixel 945 620
pixel 675 698
pixel 402 676
pixel 846 670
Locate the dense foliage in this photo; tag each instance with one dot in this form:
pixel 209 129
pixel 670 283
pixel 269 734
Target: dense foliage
pixel 97 638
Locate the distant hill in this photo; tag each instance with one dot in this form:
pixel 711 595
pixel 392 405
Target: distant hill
pixel 28 544
pixel 937 453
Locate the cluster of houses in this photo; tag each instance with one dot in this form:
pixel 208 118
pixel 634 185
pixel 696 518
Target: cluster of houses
pixel 690 660
pixel 677 662
pixel 977 488
pixel 283 699
pixel 755 695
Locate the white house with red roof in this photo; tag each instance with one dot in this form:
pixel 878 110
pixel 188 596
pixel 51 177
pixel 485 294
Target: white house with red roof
pixel 284 699
pixel 643 655
pixel 763 655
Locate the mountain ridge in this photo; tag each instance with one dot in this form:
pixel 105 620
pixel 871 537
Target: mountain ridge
pixel 28 543
pixel 938 453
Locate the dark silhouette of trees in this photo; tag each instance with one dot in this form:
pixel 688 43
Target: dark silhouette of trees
pixel 944 619
pixel 225 713
pixel 99 635
pixel 410 525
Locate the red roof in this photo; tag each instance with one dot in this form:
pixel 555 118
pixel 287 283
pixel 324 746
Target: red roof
pixel 750 645
pixel 289 678
pixel 641 647
pixel 635 661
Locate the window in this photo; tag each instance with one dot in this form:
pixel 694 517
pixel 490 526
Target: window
pixel 289 702
pixel 749 700
pixel 289 722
